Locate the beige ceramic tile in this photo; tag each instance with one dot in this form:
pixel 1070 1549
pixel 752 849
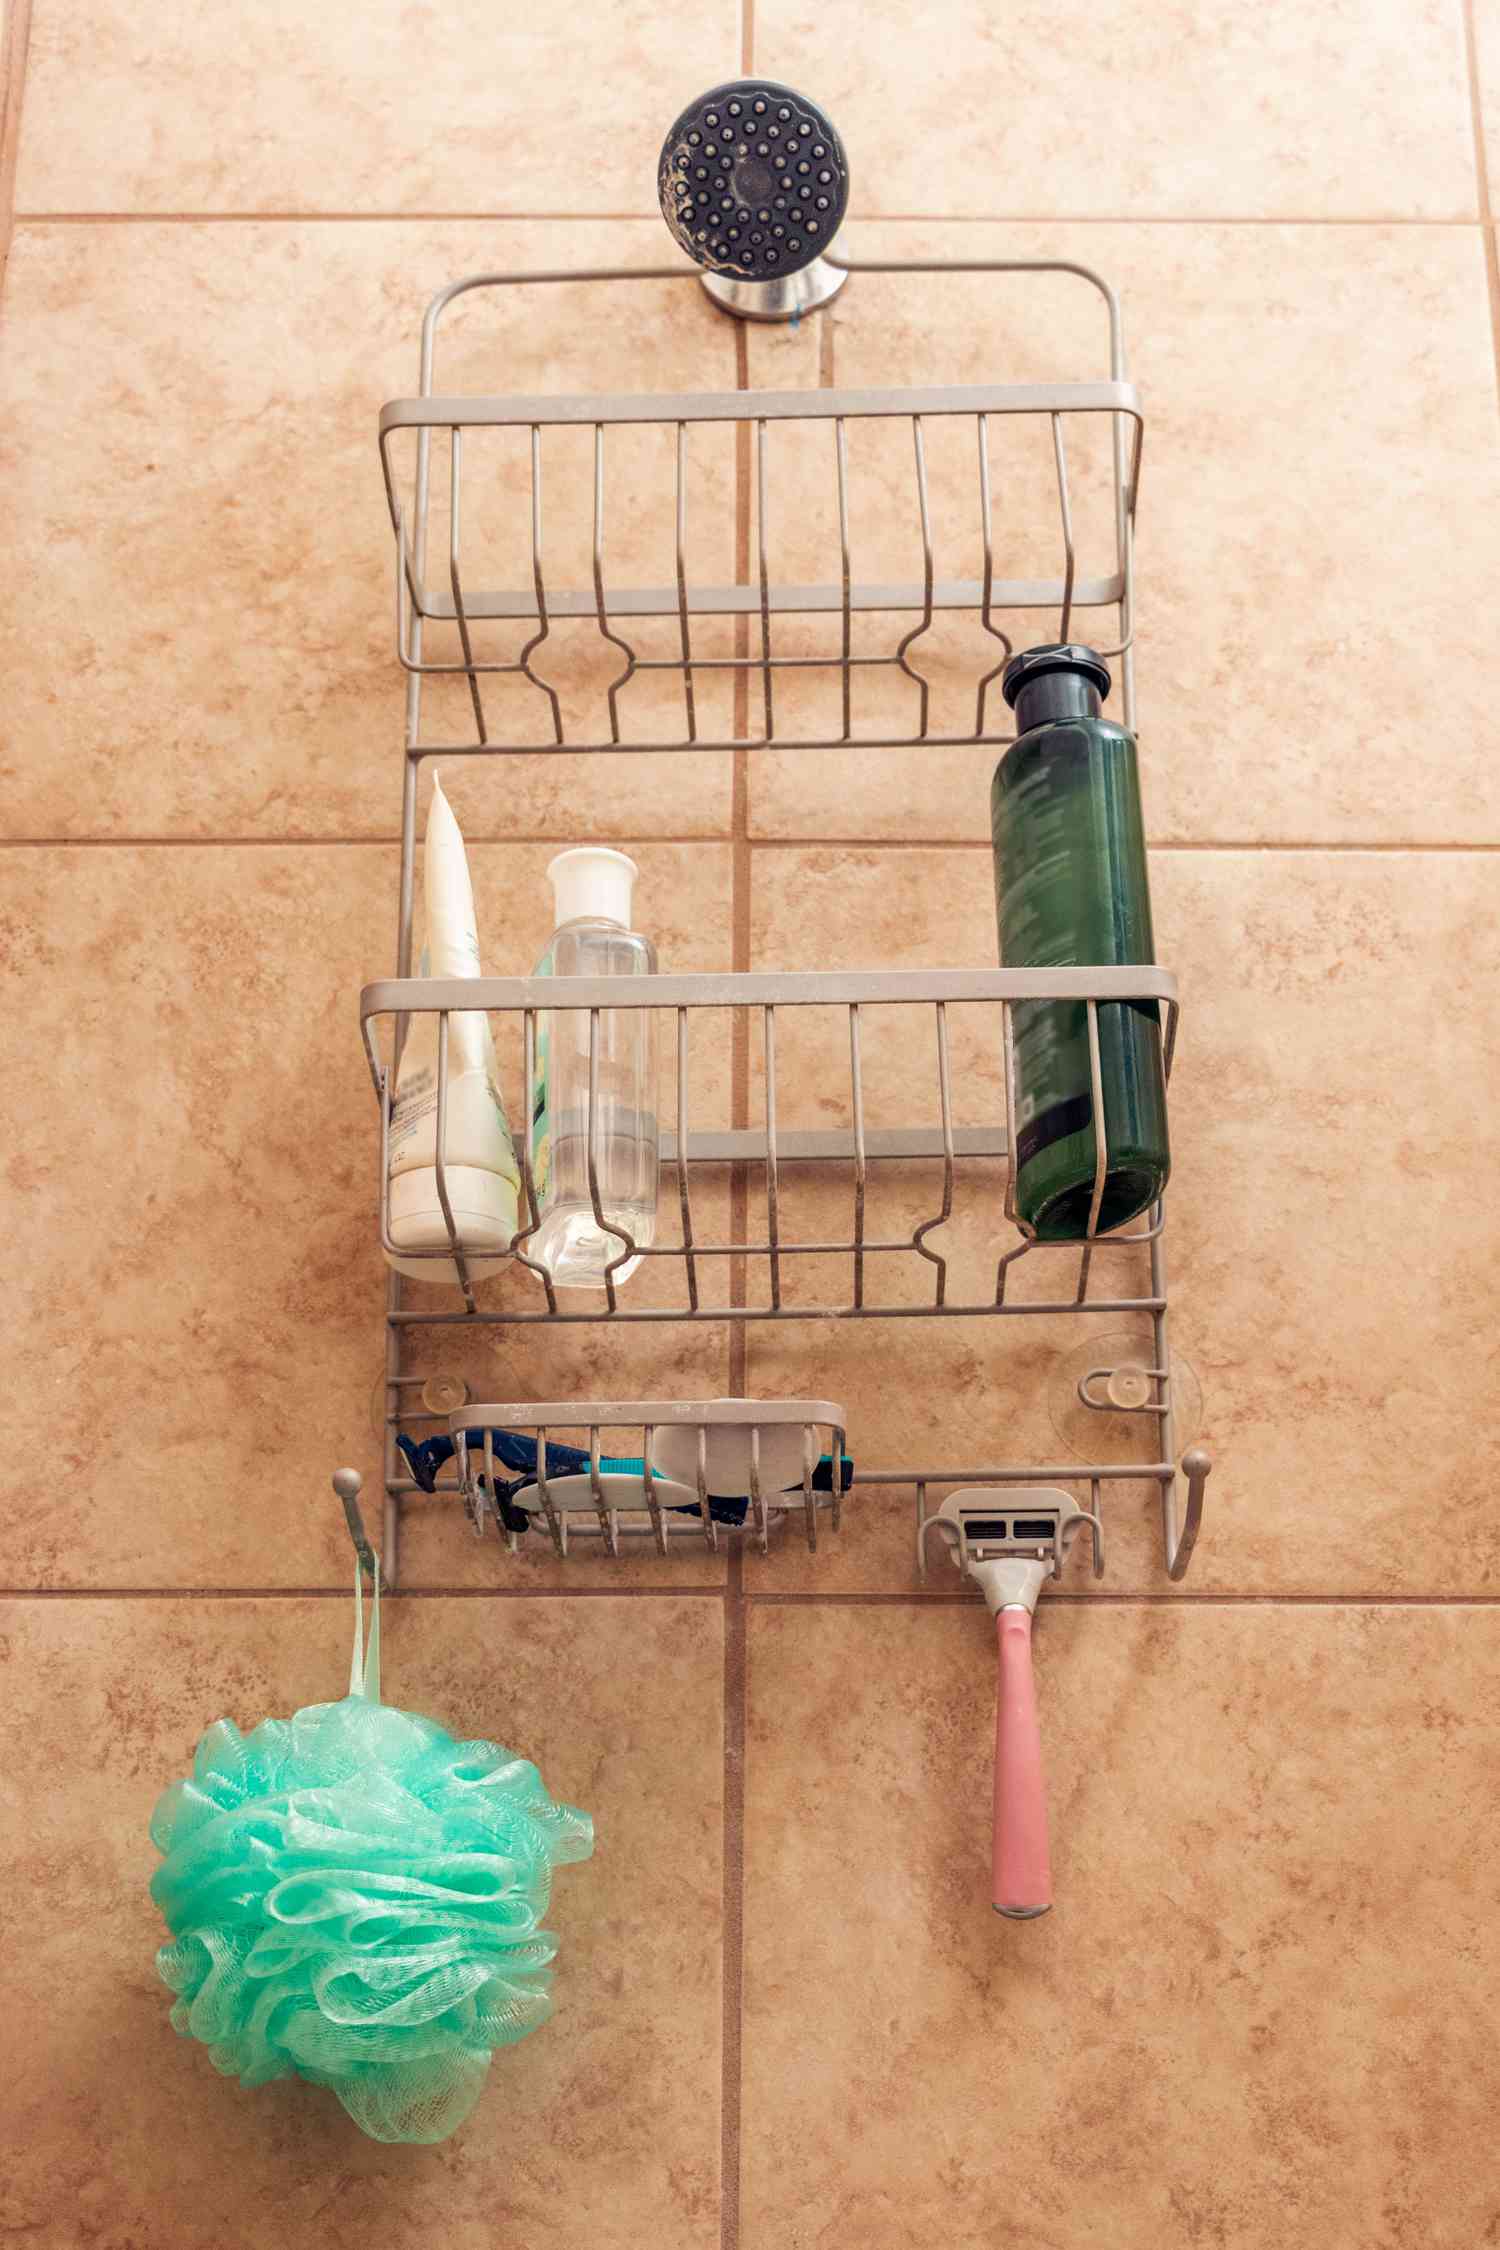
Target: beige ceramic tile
pixel 1486 18
pixel 199 1296
pixel 387 111
pixel 1344 112
pixel 202 561
pixel 1334 1272
pixel 124 2133
pixel 1329 1281
pixel 1303 506
pixel 1261 2006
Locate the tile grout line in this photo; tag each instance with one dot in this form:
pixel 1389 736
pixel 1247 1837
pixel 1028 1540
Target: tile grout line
pixel 732 1936
pixel 995 218
pixel 341 1593
pixel 734 1689
pixel 1165 844
pixel 340 843
pixel 739 1602
pixel 13 79
pixel 1318 844
pixel 1482 182
pixel 740 849
pixel 291 217
pixel 721 837
pixel 1079 1600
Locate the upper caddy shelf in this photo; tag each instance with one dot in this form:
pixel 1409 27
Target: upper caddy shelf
pixel 744 561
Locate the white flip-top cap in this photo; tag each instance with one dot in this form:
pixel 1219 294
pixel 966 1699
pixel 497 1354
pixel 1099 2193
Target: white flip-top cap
pixel 591 880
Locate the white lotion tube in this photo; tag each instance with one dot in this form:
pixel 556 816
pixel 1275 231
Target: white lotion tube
pixel 479 1161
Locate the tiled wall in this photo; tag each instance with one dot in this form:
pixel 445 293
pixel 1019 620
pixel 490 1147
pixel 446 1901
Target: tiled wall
pixel 1265 2010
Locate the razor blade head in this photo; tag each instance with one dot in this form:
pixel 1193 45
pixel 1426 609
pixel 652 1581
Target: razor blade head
pixel 1032 1522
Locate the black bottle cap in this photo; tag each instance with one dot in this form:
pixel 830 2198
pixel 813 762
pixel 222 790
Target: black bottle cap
pixel 1055 656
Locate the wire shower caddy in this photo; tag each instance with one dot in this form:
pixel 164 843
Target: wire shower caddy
pixel 750 632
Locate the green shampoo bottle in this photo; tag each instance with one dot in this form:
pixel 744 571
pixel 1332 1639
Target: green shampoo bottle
pixel 1071 890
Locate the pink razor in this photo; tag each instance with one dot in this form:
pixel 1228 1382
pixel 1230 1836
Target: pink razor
pixel 1009 1542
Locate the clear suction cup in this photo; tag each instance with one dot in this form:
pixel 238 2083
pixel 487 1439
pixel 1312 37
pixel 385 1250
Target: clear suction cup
pixel 435 1397
pixel 1105 1395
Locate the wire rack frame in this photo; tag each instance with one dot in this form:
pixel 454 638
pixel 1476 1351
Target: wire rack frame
pixel 522 1005
pixel 914 604
pixel 612 607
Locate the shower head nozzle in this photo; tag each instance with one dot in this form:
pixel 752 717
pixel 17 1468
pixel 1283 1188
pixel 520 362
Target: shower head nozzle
pixel 753 181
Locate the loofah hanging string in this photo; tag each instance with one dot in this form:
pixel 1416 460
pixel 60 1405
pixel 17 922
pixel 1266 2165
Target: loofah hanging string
pixel 356 1898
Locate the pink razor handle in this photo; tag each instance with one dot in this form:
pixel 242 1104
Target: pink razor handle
pixel 1023 1874
pixel 1010 1542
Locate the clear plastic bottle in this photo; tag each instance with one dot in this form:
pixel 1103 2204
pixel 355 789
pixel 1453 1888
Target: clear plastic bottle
pixel 593 888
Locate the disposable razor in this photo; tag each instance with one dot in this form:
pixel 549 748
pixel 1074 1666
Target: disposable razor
pixel 1009 1540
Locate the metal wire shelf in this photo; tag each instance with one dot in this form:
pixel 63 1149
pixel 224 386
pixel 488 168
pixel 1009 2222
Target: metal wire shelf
pixel 648 1502
pixel 517 1007
pixel 428 524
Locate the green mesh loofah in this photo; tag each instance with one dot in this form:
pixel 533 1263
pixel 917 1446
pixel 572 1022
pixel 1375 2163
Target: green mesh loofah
pixel 357 1899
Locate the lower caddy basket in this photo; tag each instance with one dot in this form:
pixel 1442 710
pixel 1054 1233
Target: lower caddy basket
pixel 833 1216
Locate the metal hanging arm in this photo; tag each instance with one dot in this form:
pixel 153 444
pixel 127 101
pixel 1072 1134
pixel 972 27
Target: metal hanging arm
pixel 1182 1539
pixel 348 1483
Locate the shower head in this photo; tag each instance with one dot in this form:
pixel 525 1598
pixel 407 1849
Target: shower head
pixel 753 183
